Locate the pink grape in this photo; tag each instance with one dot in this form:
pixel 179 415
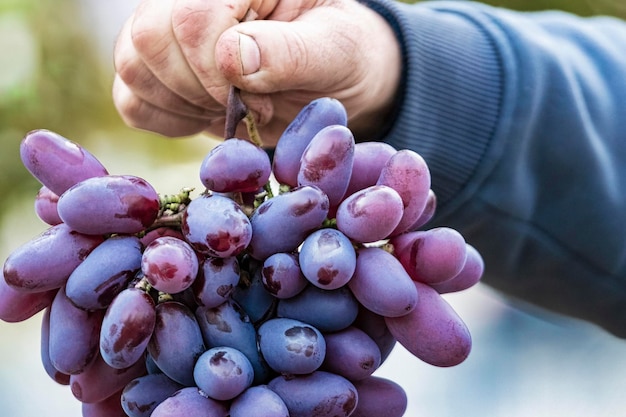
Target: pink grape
pixel 433 331
pixel 170 264
pixel 470 274
pixel 46 206
pixel 370 214
pixel 369 160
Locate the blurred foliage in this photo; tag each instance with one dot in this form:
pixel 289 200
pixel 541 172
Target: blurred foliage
pixel 52 76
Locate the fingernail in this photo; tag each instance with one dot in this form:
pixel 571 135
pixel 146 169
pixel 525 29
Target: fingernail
pixel 250 54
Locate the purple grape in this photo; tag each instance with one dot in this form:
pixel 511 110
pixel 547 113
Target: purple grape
pixel 319 394
pixel 282 276
pixel 45 262
pixel 190 402
pixel 216 281
pixel 46 206
pixel 381 284
pixel 143 394
pixel 154 234
pixel 375 327
pixel 327 162
pixel 176 342
pixel 74 335
pixel 433 331
pixel 223 373
pixel 379 397
pixel 99 381
pixel 291 346
pixel 315 116
pixel 254 298
pixel 122 204
pixel 369 159
pixel 170 264
pixel 431 256
pixel 407 173
pixel 327 259
pixel 229 325
pixel 53 373
pixel 109 407
pixel 216 226
pixel 427 213
pixel 370 214
pixel 280 224
pixel 17 306
pixel 351 353
pixel 127 327
pixel 105 272
pixel 258 401
pixel 57 162
pixel 326 310
pixel 470 274
pixel 235 165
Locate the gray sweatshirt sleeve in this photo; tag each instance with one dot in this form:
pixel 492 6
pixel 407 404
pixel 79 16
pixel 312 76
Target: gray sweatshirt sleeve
pixel 521 118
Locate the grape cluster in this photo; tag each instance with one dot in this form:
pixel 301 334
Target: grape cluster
pixel 278 291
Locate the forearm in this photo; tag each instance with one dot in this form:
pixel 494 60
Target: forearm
pixel 520 120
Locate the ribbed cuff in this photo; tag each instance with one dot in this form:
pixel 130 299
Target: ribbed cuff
pixel 450 98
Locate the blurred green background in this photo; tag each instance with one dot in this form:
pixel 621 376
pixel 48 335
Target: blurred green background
pixel 56 73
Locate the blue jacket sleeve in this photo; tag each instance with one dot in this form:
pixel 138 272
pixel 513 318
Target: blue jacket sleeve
pixel 522 120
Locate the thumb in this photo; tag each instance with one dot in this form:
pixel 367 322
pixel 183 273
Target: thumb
pixel 267 56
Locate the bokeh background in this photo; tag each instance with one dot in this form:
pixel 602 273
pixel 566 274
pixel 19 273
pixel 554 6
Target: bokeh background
pixel 56 72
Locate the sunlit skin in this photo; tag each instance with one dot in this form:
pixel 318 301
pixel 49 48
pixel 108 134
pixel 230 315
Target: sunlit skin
pixel 175 62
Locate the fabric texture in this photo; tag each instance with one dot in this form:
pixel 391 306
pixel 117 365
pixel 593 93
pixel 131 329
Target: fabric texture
pixel 521 118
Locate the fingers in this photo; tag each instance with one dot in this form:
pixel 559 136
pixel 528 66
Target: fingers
pixel 141 114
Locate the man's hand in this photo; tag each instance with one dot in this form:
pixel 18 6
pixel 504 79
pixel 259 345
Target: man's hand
pixel 175 61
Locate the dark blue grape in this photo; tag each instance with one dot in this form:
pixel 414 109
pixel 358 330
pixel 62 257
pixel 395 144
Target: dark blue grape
pixel 258 401
pixel 223 373
pixel 327 259
pixel 142 395
pixel 190 402
pixel 351 353
pixel 216 281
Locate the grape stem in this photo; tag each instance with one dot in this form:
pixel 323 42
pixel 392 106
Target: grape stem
pixel 237 111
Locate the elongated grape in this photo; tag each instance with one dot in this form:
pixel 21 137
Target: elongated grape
pixel 105 272
pixel 295 213
pixel 327 310
pixel 370 214
pixel 431 256
pixel 470 274
pixel 379 397
pixel 310 120
pixel 74 335
pixel 216 226
pixel 229 325
pixel 381 284
pixel 190 402
pixel 407 173
pixel 45 262
pixel 369 159
pixel 433 331
pixel 57 162
pixel 375 327
pixel 281 275
pixel 123 204
pixel 223 373
pixel 327 259
pixel 46 206
pixel 176 342
pixel 99 381
pixel 327 162
pixel 351 353
pixel 127 328
pixel 170 264
pixel 235 165
pixel 258 401
pixel 109 407
pixel 291 346
pixel 143 394
pixel 17 306
pixel 160 232
pixel 319 394
pixel 428 212
pixel 53 373
pixel 216 281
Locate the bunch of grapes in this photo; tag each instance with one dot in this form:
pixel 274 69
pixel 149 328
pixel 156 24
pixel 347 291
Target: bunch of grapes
pixel 278 291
